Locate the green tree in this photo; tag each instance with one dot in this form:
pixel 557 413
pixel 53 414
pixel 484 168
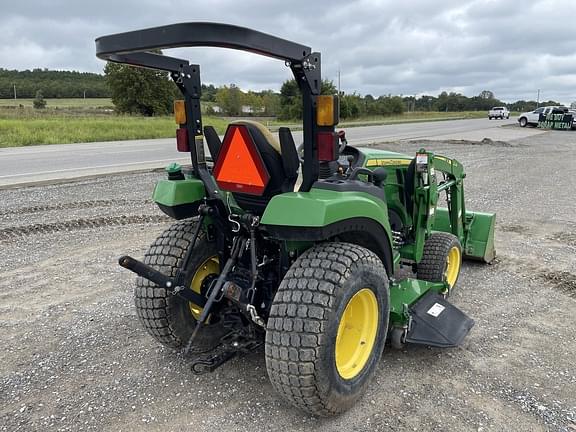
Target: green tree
pixel 254 101
pixel 291 99
pixel 54 84
pixel 229 99
pixel 486 94
pixel 350 106
pixel 328 87
pixel 39 101
pixel 140 91
pixel 208 93
pixel 271 102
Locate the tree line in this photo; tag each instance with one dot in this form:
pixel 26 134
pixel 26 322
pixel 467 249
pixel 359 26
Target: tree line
pixel 52 84
pixel 287 105
pixel 457 102
pixel 148 92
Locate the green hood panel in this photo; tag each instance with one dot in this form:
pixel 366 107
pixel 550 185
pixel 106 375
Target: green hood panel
pixel 173 193
pixel 371 153
pixel 320 207
pixel 375 158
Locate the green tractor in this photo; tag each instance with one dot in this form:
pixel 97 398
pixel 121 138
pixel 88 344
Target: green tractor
pixel 321 253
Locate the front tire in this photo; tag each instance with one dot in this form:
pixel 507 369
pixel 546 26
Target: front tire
pixel 327 327
pixel 523 122
pixel 442 259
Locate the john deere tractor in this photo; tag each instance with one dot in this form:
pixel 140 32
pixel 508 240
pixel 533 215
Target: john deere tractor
pixel 321 251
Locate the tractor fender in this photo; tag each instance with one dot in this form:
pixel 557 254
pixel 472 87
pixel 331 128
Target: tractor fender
pixel 318 215
pixel 179 199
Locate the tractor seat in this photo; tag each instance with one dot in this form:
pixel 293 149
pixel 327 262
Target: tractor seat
pixel 281 161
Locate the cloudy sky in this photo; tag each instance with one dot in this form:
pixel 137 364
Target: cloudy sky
pixel 403 47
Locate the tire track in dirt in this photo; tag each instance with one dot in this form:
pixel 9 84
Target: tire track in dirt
pixel 560 280
pixel 13 233
pixel 71 206
pixel 567 238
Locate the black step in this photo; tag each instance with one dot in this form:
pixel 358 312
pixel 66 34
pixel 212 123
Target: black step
pixel 438 323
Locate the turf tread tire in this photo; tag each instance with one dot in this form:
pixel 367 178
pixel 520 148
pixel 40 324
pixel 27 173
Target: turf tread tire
pixel 164 316
pixel 301 313
pixel 432 266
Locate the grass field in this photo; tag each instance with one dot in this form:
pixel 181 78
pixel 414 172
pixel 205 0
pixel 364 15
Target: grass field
pixel 88 120
pixel 61 103
pixel 64 130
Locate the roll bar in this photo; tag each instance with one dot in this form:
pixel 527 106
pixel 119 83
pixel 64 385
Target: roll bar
pixel 137 48
pixel 122 46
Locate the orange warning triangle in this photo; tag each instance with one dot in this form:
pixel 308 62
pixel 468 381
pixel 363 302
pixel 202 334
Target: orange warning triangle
pixel 239 167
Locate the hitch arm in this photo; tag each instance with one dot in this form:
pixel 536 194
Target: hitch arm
pixel 160 279
pixel 237 247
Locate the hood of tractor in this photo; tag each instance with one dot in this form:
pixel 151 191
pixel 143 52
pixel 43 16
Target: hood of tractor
pixel 375 157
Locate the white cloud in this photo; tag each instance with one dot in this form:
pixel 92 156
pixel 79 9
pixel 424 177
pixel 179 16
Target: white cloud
pixel 381 47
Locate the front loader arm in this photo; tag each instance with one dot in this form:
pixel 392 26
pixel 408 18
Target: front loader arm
pixel 454 187
pixel 475 230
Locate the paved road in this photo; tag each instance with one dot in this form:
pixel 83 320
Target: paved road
pixel 60 162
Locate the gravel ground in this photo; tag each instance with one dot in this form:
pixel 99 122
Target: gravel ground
pixel 75 358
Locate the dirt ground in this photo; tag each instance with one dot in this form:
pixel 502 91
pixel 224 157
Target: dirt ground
pixel 74 356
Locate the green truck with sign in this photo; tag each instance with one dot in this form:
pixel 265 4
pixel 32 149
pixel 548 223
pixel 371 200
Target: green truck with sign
pixel 324 253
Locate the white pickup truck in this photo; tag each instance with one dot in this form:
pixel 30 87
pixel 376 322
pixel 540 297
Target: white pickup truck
pixel 498 113
pixel 532 117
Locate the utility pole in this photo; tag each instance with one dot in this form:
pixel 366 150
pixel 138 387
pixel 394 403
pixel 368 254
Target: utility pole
pixel 338 82
pixel 538 99
pixel 14 91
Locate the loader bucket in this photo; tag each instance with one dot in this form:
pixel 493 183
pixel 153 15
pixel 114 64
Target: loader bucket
pixel 478 241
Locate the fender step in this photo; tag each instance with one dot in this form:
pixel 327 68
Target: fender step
pixel 436 322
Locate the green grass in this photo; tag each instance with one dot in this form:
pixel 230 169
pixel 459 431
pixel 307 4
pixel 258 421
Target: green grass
pixel 68 122
pixel 61 103
pixel 413 117
pixel 410 117
pixel 423 116
pixel 62 130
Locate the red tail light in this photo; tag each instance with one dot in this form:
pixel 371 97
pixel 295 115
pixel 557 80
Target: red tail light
pixel 182 140
pixel 327 146
pixel 240 167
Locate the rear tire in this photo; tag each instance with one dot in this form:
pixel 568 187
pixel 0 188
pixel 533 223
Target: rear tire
pixel 327 327
pixel 167 318
pixel 442 259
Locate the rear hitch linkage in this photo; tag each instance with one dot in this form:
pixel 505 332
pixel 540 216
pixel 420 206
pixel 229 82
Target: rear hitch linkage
pixel 176 286
pixel 173 285
pixel 230 346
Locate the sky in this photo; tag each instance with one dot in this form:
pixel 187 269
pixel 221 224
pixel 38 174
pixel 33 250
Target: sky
pixel 409 47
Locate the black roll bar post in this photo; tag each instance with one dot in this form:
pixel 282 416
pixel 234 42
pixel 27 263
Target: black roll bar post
pixel 135 48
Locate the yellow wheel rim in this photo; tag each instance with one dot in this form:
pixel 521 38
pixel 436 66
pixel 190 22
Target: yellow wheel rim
pixel 453 262
pixel 208 267
pixel 356 333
